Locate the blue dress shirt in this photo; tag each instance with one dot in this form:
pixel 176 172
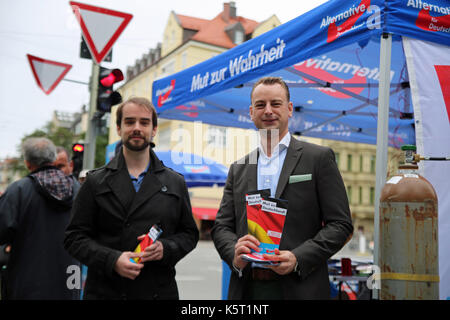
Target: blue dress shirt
pixel 138 181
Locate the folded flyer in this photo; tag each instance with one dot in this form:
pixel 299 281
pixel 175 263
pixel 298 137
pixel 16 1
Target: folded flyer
pixel 265 219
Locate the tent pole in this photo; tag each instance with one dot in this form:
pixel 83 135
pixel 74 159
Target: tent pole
pixel 382 138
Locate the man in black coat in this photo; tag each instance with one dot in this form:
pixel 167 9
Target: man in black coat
pixel 34 213
pixel 119 203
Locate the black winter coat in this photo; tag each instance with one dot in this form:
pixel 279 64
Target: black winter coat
pixel 34 213
pixel 108 216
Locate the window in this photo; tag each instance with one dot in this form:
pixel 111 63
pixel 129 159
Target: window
pixel 172 39
pixel 361 167
pixel 372 195
pixel 217 136
pixel 238 37
pixel 184 60
pixel 337 158
pixel 349 194
pixel 360 195
pixel 372 164
pixel 167 69
pixel 349 162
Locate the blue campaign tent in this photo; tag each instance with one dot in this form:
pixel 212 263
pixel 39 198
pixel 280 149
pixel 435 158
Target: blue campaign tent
pixel 330 58
pixel 197 171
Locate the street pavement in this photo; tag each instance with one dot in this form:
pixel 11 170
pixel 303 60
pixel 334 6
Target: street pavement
pixel 199 274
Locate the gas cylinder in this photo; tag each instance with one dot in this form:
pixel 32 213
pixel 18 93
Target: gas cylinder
pixel 408 250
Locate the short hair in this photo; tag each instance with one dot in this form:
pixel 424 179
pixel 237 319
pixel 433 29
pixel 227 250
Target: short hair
pixel 140 101
pixel 272 81
pixel 39 151
pixel 60 149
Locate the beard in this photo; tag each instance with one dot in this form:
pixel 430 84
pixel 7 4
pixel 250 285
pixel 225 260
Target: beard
pixel 136 147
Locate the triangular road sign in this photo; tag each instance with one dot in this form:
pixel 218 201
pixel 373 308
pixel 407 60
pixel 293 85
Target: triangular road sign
pixel 100 27
pixel 47 73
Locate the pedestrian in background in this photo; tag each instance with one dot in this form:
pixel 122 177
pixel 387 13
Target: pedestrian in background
pixel 62 161
pixel 34 212
pixel 318 220
pixel 118 204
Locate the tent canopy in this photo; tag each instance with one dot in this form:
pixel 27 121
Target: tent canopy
pixel 330 59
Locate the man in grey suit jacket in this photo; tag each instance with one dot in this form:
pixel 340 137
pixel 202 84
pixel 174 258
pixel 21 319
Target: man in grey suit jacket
pixel 318 221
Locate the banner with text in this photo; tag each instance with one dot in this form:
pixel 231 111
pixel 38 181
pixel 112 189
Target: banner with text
pixel 429 71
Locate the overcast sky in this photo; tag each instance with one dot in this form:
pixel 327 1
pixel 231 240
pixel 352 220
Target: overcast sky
pixel 48 29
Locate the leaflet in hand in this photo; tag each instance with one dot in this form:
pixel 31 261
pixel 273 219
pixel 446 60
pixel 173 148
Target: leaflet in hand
pixel 152 235
pixel 265 219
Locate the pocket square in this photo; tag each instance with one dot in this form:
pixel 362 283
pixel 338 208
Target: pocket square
pixel 300 178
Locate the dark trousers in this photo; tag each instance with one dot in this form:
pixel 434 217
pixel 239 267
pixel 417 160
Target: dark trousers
pixel 263 290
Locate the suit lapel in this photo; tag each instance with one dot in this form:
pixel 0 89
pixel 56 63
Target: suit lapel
pixel 122 187
pixel 252 171
pixel 293 155
pixel 119 182
pixel 149 187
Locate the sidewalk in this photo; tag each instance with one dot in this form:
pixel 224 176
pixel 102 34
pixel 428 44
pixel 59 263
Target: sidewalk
pixel 199 274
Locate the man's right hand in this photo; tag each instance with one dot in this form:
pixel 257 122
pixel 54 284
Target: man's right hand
pixel 126 268
pixel 244 246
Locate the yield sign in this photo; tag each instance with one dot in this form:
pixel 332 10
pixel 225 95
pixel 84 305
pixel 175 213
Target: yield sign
pixel 100 27
pixel 47 73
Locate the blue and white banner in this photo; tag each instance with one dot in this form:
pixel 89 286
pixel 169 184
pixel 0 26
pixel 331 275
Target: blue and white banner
pixel 429 69
pixel 330 26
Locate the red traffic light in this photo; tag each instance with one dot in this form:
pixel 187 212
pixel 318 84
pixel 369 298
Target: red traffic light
pixel 114 76
pixel 78 147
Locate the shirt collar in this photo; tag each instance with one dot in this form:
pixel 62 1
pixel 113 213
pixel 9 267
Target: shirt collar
pixel 282 145
pixel 142 174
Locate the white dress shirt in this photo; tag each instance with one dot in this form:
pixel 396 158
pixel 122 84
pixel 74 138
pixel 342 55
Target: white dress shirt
pixel 269 168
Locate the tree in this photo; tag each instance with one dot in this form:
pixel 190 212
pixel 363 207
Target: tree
pixel 59 135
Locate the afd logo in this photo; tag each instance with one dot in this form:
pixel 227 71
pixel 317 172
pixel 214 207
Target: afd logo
pixel 188 111
pixel 164 94
pixel 347 20
pixel 333 71
pixel 434 23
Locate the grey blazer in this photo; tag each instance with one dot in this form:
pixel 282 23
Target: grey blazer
pixel 317 225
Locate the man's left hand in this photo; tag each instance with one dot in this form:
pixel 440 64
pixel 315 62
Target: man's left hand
pixel 153 252
pixel 287 261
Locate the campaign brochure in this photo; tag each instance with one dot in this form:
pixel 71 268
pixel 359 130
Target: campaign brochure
pixel 152 235
pixel 265 219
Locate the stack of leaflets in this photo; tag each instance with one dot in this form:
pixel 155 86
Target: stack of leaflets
pixel 265 219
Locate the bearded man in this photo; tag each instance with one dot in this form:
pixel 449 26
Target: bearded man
pixel 119 203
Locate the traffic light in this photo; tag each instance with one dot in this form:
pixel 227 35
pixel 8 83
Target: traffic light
pixel 77 158
pixel 107 97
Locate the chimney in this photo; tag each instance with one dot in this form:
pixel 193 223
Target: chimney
pixel 232 9
pixel 229 11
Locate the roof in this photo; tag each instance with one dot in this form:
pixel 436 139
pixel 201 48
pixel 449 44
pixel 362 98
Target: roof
pixel 191 23
pixel 213 31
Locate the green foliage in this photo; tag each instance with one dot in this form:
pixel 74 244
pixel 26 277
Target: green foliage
pixel 60 137
pixel 100 149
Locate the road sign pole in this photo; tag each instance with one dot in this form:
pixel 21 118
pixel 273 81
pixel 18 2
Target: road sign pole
pixel 91 133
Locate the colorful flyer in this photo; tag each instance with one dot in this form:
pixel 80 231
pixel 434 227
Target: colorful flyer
pixel 152 235
pixel 265 219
